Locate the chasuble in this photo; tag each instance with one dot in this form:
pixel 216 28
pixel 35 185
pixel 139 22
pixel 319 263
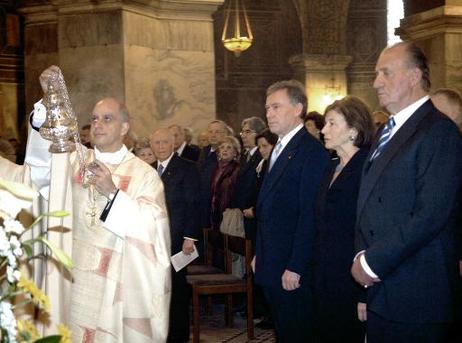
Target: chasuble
pixel 121 281
pixel 121 289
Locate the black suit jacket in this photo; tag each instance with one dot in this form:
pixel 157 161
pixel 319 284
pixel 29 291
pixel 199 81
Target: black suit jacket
pixel 246 184
pixel 406 217
pixel 208 162
pixel 181 183
pixel 191 152
pixel 285 211
pixel 245 192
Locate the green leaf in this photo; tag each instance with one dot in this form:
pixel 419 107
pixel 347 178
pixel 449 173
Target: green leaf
pixel 49 339
pixel 58 214
pixel 59 254
pixel 28 249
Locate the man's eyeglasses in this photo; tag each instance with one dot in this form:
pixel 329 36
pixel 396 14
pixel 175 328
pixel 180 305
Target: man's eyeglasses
pixel 246 132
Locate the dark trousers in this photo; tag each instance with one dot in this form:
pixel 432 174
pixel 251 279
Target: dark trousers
pixel 292 313
pixel 179 308
pixel 381 330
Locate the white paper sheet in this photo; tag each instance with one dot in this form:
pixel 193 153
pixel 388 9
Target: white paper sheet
pixel 181 260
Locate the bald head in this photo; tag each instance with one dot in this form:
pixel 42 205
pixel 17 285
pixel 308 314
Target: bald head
pixel 117 105
pixel 109 124
pixel 162 142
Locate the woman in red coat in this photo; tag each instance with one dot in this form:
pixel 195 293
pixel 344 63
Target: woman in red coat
pixel 224 179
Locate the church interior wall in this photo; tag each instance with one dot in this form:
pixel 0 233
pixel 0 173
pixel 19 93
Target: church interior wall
pixel 171 67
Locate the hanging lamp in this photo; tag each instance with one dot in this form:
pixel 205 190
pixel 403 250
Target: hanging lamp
pixel 242 37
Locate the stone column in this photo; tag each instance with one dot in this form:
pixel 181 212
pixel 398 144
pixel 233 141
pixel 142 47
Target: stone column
pixel 11 75
pixel 157 56
pixel 324 76
pixel 438 31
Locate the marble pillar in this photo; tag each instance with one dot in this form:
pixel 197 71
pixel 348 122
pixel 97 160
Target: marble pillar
pixel 324 77
pixel 438 31
pixel 157 56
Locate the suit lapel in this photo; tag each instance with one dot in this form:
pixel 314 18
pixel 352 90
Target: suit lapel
pixel 277 170
pixel 251 163
pixel 372 172
pixel 169 171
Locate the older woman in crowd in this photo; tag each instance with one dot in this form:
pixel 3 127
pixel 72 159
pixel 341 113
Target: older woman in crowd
pixel 348 131
pixel 224 179
pixel 144 152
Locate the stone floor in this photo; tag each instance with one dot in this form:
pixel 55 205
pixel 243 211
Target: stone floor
pixel 213 329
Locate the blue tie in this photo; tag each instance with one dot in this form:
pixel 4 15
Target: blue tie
pixel 275 154
pixel 160 169
pixel 384 139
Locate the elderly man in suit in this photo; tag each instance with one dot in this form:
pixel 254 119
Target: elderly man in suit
pixel 182 148
pixel 407 208
pixel 285 214
pixel 181 182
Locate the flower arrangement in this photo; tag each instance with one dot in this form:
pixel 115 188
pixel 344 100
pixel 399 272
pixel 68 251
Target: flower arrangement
pixel 16 290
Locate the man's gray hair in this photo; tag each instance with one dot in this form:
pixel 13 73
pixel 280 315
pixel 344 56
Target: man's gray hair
pixel 256 124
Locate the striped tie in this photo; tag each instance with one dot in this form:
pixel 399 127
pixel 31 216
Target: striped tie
pixel 275 154
pixel 384 139
pixel 160 169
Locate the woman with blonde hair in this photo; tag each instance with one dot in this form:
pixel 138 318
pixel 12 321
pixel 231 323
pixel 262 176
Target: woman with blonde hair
pixel 224 179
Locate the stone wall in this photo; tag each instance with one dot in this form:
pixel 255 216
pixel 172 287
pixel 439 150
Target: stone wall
pixel 156 57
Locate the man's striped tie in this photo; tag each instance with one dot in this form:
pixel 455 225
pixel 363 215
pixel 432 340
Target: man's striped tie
pixel 384 138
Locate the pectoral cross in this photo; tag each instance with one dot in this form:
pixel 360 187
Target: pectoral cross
pixel 92 204
pixel 92 214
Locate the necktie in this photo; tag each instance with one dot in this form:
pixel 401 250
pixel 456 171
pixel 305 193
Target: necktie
pixel 384 138
pixel 160 169
pixel 275 154
pixel 247 156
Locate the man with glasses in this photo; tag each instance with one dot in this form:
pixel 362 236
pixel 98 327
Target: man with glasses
pixel 245 191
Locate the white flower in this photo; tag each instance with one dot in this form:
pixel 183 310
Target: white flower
pixel 4 243
pixel 12 275
pixel 15 246
pixel 13 226
pixel 11 260
pixel 8 321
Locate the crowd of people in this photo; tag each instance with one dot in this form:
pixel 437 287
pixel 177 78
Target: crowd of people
pixel 354 215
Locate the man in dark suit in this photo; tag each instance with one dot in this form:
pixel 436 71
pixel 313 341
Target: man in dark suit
pixel 208 161
pixel 285 214
pixel 246 183
pixel 181 182
pixel 182 148
pixel 407 208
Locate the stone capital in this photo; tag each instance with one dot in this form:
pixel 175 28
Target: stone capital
pixel 440 20
pixel 320 62
pixel 163 9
